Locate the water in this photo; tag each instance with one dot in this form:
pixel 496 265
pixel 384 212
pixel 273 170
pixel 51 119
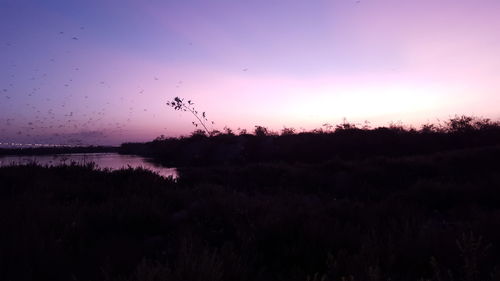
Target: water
pixel 112 161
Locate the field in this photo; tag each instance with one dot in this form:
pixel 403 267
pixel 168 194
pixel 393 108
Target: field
pixel 424 215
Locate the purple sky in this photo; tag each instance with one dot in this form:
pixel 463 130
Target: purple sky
pixel 100 72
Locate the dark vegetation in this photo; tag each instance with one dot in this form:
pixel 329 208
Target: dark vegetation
pixel 345 141
pixel 418 205
pixel 57 150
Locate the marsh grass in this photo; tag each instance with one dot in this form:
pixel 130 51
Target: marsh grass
pixel 432 216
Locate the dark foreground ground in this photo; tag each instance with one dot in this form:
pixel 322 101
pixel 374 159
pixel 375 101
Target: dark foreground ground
pixel 419 217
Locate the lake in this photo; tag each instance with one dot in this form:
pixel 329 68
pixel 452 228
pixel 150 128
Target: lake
pixel 112 161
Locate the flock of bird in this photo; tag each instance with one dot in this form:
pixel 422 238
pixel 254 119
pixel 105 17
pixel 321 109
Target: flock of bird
pixel 39 115
pixel 38 105
pixel 49 113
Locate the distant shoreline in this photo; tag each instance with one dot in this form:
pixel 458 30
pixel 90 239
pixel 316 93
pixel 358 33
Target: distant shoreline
pixel 57 150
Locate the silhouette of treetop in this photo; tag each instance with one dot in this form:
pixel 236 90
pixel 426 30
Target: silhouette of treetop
pixel 179 104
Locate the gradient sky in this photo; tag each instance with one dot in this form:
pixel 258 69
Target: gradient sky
pixel 100 72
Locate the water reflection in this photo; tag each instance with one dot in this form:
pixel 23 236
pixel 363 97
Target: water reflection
pixel 111 161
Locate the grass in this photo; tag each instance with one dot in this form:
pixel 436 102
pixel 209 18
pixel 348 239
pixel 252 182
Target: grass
pixel 431 216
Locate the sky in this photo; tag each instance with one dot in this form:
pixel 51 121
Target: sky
pixel 101 71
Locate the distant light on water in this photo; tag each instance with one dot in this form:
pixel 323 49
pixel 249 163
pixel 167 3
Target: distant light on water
pixel 31 145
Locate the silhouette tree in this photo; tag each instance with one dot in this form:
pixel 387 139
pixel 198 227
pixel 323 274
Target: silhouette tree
pixel 179 104
pixel 261 131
